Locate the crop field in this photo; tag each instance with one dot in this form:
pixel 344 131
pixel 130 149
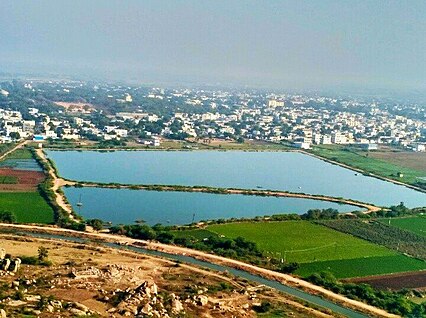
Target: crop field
pixel 416 224
pixel 393 237
pixel 301 241
pixel 28 207
pixel 367 162
pixel 395 281
pixel 20 154
pixel 363 266
pixel 409 159
pixel 317 248
pixel 8 180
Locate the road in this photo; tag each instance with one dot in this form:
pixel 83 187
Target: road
pixel 213 259
pixel 19 145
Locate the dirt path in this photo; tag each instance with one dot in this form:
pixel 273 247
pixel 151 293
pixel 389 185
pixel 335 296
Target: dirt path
pixel 368 207
pixel 57 184
pixel 19 145
pixel 214 259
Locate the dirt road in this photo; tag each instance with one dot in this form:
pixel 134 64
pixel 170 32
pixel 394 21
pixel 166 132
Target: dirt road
pixel 57 184
pixel 19 145
pixel 214 259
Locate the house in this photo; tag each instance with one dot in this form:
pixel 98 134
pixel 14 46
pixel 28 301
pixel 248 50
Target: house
pixel 302 145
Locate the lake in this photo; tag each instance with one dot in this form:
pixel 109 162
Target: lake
pixel 125 205
pixel 289 171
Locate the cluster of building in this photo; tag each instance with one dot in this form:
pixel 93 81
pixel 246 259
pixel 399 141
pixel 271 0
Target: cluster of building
pixel 200 114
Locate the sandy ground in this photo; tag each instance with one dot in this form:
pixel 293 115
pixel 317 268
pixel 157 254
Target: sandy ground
pixel 131 270
pixel 283 278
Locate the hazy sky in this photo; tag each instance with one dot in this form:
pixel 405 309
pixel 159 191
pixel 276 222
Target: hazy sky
pixel 296 43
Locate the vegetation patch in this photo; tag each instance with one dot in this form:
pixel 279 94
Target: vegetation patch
pixel 8 180
pixel 28 207
pixel 22 153
pixel 301 241
pixel 415 224
pixel 362 160
pixel 377 232
pixel 365 266
pixel 393 302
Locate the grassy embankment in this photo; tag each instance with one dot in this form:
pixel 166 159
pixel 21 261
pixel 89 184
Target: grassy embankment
pixel 362 160
pixel 168 144
pixel 316 248
pixel 28 207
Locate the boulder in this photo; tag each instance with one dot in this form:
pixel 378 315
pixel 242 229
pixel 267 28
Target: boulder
pixel 201 300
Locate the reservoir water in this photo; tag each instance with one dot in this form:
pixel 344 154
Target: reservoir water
pixel 126 206
pixel 288 171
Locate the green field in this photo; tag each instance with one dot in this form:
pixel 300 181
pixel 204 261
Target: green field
pixel 317 248
pixel 416 224
pixel 8 180
pixel 28 207
pixel 301 241
pixel 360 159
pixel 363 266
pixel 20 154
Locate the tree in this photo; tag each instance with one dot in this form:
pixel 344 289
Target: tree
pixel 15 135
pixel 97 224
pixel 7 216
pixel 43 253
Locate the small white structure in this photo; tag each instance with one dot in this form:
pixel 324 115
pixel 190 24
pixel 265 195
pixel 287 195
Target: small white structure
pixel 302 145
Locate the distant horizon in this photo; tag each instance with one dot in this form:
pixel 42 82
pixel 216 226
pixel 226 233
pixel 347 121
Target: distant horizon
pixel 279 45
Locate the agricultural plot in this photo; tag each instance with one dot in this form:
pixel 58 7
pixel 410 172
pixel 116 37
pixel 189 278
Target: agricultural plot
pixel 8 180
pixel 20 154
pixel 377 232
pixel 363 266
pixel 301 241
pixel 416 224
pixel 363 160
pixel 28 207
pixel 317 248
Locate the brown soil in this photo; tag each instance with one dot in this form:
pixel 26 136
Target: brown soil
pixel 215 259
pixel 131 270
pixel 76 107
pixel 409 159
pixel 415 280
pixel 27 180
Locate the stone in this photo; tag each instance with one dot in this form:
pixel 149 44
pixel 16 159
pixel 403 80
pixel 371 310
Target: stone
pixel 6 264
pixel 3 313
pixel 32 298
pixel 201 300
pixel 177 306
pixel 16 265
pixel 77 312
pixel 81 307
pixel 146 309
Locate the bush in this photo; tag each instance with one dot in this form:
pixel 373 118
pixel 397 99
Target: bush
pixel 7 217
